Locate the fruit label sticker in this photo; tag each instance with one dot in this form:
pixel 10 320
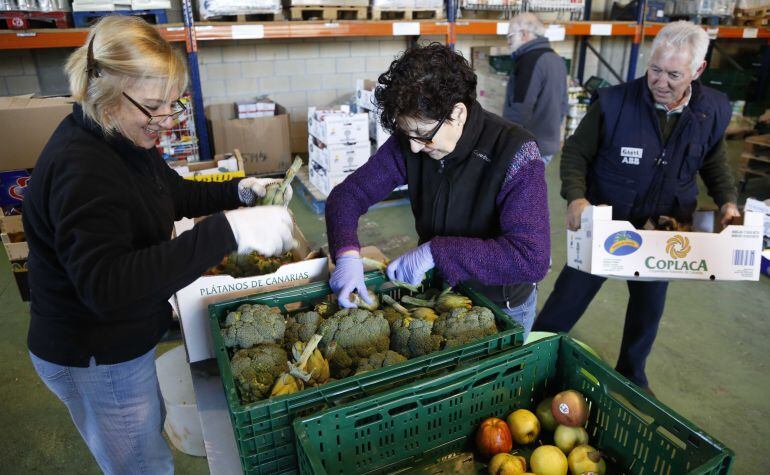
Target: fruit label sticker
pixel 563 408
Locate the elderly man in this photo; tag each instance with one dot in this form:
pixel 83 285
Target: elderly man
pixel 639 149
pixel 536 97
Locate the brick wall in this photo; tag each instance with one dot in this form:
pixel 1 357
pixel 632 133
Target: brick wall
pixel 294 73
pixel 18 74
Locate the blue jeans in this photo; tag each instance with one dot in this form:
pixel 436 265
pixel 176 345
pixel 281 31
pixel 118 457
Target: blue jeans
pixel 118 411
pixel 524 314
pixel 546 158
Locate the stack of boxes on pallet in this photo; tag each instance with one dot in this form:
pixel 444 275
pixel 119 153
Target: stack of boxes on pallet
pixel 366 103
pixel 338 143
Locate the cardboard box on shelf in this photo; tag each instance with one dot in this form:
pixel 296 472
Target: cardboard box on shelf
pixel 338 158
pixel 616 249
pixel 28 123
pixel 263 141
pixel 222 168
pixel 338 125
pixel 324 180
pixel 192 301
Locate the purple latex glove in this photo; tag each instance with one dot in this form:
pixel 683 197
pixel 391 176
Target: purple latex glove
pixel 411 266
pixel 348 276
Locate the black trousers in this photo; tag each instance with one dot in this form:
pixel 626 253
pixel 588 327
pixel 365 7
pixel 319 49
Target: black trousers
pixel 575 289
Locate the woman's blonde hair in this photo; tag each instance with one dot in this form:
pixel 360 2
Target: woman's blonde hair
pixel 123 50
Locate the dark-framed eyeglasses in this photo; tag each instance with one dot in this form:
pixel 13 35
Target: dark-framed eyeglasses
pixel 428 138
pixel 177 109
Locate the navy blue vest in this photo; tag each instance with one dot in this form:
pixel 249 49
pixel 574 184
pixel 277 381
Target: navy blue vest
pixel 635 172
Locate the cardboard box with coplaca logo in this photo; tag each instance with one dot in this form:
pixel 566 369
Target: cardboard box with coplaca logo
pixel 610 248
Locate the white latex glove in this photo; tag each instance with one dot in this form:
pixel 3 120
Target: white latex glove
pixel 265 229
pixel 249 189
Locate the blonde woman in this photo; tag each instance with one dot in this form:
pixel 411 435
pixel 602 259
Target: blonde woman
pixel 98 217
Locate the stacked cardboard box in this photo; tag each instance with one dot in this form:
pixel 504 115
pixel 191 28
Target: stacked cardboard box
pixel 338 143
pixel 263 141
pixel 366 102
pixel 259 107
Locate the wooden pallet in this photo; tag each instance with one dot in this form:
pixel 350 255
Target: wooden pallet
pixel 329 13
pixel 755 159
pixel 757 22
pixel 407 14
pixel 250 17
pixel 17 20
pixel 316 201
pixel 752 12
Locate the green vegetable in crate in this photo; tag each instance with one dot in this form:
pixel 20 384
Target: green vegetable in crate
pixel 358 333
pixel 251 325
pixel 301 327
pixel 424 313
pixel 449 300
pixel 412 337
pixel 256 369
pixel 460 326
pixel 379 360
pixel 293 380
pixel 362 304
pixel 246 265
pixel 326 309
pixel 274 192
pixel 317 367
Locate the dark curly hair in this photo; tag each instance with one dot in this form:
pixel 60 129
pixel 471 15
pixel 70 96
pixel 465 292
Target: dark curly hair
pixel 425 83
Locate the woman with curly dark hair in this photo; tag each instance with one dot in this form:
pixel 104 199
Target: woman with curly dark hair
pixel 476 184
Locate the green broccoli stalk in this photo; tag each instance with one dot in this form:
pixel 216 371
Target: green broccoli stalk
pixel 251 325
pixel 256 369
pixel 460 326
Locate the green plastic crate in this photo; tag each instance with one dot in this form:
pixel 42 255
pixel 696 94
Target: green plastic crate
pixel 263 430
pixel 410 427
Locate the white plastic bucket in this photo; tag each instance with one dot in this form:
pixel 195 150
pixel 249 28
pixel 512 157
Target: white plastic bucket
pixel 183 426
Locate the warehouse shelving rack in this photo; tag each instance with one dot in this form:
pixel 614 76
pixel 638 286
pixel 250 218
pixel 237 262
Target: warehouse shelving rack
pixel 192 33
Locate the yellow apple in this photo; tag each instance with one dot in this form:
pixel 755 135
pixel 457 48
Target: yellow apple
pixel 524 425
pixel 507 464
pixel 567 438
pixel 548 460
pixel 586 459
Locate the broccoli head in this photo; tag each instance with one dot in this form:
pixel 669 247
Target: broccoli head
pixel 301 327
pixel 379 360
pixel 252 325
pixel 412 337
pixel 460 326
pixel 256 369
pixel 357 333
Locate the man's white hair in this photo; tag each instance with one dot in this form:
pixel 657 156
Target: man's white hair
pixel 683 34
pixel 527 22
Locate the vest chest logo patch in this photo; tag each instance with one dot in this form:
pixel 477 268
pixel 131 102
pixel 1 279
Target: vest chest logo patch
pixel 630 155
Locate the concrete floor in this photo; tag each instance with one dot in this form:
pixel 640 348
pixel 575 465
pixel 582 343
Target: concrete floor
pixel 710 361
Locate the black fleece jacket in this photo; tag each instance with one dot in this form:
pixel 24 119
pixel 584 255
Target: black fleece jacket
pixel 98 217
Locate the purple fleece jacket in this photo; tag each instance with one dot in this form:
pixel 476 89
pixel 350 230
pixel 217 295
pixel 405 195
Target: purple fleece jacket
pixel 519 254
